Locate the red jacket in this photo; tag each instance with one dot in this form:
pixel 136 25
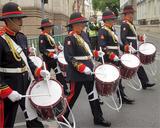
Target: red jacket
pixel 5 90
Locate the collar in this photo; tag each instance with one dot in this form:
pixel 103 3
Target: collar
pixel 9 31
pixel 44 32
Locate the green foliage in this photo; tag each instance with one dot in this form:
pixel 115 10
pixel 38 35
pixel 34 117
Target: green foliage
pixel 103 4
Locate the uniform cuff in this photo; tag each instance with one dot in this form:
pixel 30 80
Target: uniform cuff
pixel 95 53
pixel 112 56
pixel 5 91
pixel 126 48
pixel 37 72
pixel 81 68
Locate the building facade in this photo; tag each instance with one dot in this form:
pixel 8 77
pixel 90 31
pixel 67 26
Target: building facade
pixel 148 12
pixel 56 10
pixel 123 3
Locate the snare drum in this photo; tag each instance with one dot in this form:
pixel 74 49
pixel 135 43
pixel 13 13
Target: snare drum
pixel 106 79
pixel 147 53
pixel 48 106
pixel 129 65
pixel 36 60
pixel 62 62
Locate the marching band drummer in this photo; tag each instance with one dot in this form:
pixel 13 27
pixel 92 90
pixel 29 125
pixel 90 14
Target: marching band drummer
pixel 15 66
pixel 79 71
pixel 108 40
pixel 48 49
pixel 129 35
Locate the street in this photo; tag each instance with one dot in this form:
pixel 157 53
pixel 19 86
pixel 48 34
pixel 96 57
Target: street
pixel 145 113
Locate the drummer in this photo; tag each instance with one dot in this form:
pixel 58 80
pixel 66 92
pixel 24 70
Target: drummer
pixel 79 71
pixel 129 35
pixel 108 40
pixel 48 49
pixel 15 65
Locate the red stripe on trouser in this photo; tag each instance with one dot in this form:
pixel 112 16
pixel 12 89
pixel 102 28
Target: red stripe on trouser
pixel 72 91
pixel 1 114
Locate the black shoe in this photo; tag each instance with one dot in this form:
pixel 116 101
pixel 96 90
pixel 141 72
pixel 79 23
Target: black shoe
pixel 35 123
pixel 148 85
pixel 101 102
pixel 102 122
pixel 126 100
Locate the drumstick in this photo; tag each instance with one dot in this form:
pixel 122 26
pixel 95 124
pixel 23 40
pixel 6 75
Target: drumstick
pixel 44 65
pixel 34 51
pixel 36 95
pixel 102 56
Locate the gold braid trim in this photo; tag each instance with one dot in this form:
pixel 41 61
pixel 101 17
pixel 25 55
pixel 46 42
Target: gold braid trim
pixel 132 27
pixel 50 41
pixel 111 33
pixel 13 50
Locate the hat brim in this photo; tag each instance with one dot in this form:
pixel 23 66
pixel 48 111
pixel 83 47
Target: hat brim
pixel 77 22
pixel 127 12
pixel 113 18
pixel 2 18
pixel 46 26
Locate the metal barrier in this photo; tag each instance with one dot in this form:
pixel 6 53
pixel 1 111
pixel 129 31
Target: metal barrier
pixel 34 41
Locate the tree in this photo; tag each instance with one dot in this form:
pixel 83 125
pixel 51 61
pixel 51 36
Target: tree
pixel 101 5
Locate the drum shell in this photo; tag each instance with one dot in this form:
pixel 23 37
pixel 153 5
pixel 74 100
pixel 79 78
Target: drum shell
pixel 127 72
pixel 147 59
pixel 49 112
pixel 106 88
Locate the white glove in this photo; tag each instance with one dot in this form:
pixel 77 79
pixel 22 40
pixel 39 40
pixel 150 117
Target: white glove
pixel 116 59
pixel 132 50
pixel 45 74
pixel 60 47
pixel 14 96
pixel 32 49
pixel 87 71
pixel 101 53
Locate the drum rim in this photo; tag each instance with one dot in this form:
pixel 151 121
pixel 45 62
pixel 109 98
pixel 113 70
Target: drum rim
pixel 135 56
pixel 35 82
pixel 150 54
pixel 108 64
pixel 64 58
pixel 37 57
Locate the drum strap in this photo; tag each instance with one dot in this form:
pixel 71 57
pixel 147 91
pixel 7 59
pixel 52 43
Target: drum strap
pixel 93 95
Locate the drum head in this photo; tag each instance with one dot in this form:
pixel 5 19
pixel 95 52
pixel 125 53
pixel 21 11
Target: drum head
pixel 147 49
pixel 41 88
pixel 130 60
pixel 107 73
pixel 36 60
pixel 61 58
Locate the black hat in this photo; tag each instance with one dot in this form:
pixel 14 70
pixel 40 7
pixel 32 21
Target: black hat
pixel 77 17
pixel 128 9
pixel 46 23
pixel 12 10
pixel 108 15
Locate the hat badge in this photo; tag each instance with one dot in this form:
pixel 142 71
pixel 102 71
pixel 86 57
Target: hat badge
pixel 19 8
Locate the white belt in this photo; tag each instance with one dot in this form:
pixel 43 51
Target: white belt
pixel 51 50
pixel 131 38
pixel 82 57
pixel 113 47
pixel 13 70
